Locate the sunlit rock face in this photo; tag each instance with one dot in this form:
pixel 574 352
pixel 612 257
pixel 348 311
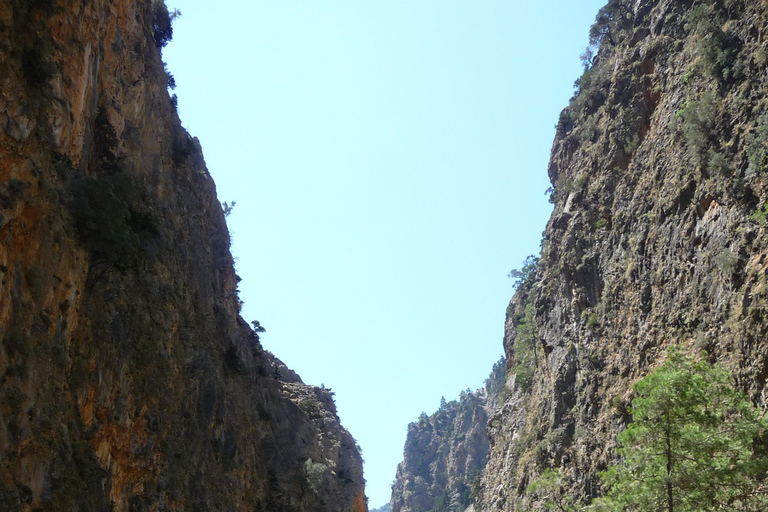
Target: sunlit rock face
pixel 658 236
pixel 128 378
pixel 446 452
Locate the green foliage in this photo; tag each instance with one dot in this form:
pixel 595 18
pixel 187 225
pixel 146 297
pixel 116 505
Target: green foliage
pixel 590 128
pixel 526 276
pixel 310 406
pixel 590 92
pixel 757 146
pixel 36 63
pixel 526 356
pixel 104 223
pixel 696 120
pixel 228 207
pixel 564 123
pixel 717 163
pixel 464 488
pixel 726 260
pixel 107 223
pixel 718 51
pixel 691 445
pixel 495 381
pixel 608 23
pixel 170 80
pixel 441 502
pixel 162 23
pixel 105 141
pixel 760 215
pixel 550 489
pixel 314 471
pixel 593 322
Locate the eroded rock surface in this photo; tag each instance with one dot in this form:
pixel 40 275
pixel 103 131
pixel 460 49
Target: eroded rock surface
pixel 445 453
pixel 658 236
pixel 128 378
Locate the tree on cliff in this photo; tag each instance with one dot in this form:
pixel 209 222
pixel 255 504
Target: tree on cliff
pixel 692 445
pixel 162 23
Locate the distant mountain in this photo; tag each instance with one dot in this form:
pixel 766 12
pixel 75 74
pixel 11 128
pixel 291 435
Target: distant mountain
pixel 383 508
pixel 445 453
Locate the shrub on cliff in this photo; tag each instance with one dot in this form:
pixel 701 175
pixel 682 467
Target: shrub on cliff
pixel 104 223
pixel 550 488
pixel 692 445
pixel 527 275
pixel 162 23
pixel 608 22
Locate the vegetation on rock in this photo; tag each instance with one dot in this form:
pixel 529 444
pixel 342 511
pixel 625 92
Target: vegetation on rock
pixel 445 452
pixel 658 236
pixel 694 444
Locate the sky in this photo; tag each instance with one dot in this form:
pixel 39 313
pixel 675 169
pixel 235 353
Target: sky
pixel 388 160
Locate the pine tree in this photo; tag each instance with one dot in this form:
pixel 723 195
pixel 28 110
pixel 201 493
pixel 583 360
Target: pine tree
pixel 692 445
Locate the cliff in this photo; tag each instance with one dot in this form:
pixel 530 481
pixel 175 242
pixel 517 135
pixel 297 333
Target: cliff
pixel 658 236
pixel 445 453
pixel 129 379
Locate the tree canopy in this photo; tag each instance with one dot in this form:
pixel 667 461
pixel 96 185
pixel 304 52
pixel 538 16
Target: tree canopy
pixel 693 445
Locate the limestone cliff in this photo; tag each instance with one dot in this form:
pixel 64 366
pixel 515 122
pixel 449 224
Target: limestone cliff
pixel 128 378
pixel 659 235
pixel 444 453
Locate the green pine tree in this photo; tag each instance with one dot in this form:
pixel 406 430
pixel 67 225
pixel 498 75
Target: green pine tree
pixel 692 445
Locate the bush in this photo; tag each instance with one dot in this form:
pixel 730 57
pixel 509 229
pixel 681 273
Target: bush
pixel 310 406
pixel 526 356
pixel 757 148
pixel 162 23
pixel 314 471
pixel 719 51
pixel 527 274
pixel 608 23
pixel 692 445
pixel 105 141
pixel 104 223
pixel 550 487
pixel 760 215
pixel 592 322
pixel 36 64
pixel 696 120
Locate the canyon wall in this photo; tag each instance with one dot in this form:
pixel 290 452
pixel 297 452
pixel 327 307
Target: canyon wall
pixel 129 380
pixel 445 452
pixel 659 236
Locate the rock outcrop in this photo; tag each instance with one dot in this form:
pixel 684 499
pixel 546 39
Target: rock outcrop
pixel 445 453
pixel 659 235
pixel 129 380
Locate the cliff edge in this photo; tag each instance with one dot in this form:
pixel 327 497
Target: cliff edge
pixel 658 236
pixel 129 380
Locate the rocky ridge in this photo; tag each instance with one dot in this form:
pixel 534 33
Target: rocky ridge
pixel 445 452
pixel 659 235
pixel 129 380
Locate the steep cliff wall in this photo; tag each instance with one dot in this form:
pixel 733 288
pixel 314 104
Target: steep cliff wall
pixel 658 236
pixel 128 378
pixel 445 453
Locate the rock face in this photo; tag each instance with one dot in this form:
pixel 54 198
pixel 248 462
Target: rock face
pixel 659 235
pixel 444 453
pixel 128 378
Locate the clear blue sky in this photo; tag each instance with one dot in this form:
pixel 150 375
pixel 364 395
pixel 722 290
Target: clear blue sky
pixel 388 160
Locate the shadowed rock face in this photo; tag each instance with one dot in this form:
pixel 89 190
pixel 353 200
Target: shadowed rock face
pixel 658 236
pixel 128 378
